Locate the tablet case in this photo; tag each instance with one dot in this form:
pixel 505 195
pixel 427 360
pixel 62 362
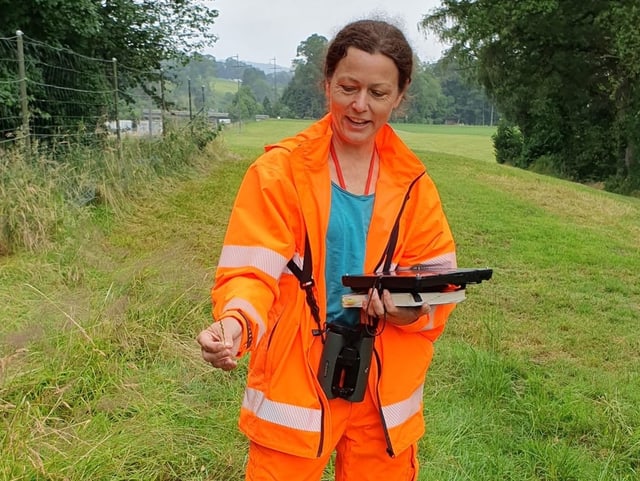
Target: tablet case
pixel 418 279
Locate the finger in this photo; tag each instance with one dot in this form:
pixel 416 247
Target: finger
pixel 209 341
pixel 388 304
pixel 228 364
pixel 222 359
pixel 375 307
pixel 215 334
pixel 215 353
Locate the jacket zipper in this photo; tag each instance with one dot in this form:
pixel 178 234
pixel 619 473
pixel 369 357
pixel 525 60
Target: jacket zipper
pixel 321 441
pixel 385 430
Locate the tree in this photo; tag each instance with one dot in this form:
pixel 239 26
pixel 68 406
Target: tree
pixel 622 20
pixel 256 80
pixel 244 105
pixel 468 102
pixel 198 72
pixel 304 95
pixel 551 66
pixel 141 34
pixel 426 101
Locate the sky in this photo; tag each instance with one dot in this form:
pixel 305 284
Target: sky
pixel 261 30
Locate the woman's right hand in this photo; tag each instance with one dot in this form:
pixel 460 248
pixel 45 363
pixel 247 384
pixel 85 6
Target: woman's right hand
pixel 220 343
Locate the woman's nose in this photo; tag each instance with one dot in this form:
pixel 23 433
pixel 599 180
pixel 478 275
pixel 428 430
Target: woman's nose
pixel 360 101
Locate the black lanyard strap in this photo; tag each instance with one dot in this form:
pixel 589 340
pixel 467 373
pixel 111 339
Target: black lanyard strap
pixel 387 255
pixel 305 276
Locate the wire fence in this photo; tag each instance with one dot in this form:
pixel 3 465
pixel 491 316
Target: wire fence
pixel 55 95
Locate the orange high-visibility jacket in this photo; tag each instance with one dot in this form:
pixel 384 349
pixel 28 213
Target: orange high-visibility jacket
pixel 285 193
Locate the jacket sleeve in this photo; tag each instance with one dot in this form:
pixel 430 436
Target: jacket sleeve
pixel 427 240
pixel 257 246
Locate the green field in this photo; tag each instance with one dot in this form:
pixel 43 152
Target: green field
pixel 536 377
pixel 223 86
pixel 473 142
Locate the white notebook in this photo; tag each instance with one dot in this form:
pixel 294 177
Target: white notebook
pixel 408 299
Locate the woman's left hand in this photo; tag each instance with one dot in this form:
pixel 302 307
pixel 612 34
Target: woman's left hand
pixel 385 307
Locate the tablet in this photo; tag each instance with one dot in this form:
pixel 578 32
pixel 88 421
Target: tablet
pixel 418 279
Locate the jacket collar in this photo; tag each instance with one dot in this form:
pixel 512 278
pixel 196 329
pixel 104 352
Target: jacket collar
pixel 309 149
pixel 312 144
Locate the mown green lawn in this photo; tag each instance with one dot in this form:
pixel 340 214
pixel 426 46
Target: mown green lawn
pixel 473 142
pixel 535 378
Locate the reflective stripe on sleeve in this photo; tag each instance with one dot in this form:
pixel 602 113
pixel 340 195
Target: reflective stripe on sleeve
pixel 287 415
pixel 398 413
pixel 265 260
pixel 445 261
pixel 392 267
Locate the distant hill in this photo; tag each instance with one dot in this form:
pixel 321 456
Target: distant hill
pixel 267 67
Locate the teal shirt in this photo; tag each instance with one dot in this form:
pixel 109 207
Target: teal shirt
pixel 349 220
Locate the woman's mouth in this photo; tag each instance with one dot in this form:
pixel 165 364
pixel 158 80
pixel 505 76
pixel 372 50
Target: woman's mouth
pixel 359 122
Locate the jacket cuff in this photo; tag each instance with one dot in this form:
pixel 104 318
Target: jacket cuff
pixel 246 342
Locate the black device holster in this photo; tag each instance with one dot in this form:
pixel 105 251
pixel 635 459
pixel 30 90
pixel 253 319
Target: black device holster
pixel 345 361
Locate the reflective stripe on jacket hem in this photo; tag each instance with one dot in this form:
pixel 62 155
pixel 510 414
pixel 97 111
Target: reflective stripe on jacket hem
pixel 398 413
pixel 309 419
pixel 287 415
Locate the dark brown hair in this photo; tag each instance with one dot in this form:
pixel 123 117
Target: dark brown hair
pixel 372 36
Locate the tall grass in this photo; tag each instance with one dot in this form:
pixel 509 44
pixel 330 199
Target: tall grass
pixel 535 377
pixel 47 194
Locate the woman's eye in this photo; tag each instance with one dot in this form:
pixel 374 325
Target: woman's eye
pixel 377 93
pixel 348 88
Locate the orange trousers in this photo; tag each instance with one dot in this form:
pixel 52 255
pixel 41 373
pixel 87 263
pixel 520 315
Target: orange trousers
pixel 359 444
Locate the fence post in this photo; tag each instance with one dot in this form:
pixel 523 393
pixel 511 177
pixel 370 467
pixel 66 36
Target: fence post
pixel 116 100
pixel 163 105
pixel 24 101
pixel 189 88
pixel 203 101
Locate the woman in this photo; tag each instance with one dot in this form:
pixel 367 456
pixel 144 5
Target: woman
pixel 343 196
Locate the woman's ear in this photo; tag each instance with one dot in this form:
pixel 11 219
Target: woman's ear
pixel 401 95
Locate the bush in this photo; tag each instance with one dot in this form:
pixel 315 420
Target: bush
pixel 546 165
pixel 624 185
pixel 507 143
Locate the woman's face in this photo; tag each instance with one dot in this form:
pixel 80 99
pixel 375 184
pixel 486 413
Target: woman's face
pixel 362 93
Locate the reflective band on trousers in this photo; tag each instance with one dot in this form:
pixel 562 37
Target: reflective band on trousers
pixel 308 419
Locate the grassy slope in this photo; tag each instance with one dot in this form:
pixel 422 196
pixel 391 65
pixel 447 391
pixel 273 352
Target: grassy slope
pixel 535 378
pixel 222 86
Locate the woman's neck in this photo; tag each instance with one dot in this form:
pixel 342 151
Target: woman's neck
pixel 354 167
pixel 353 153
